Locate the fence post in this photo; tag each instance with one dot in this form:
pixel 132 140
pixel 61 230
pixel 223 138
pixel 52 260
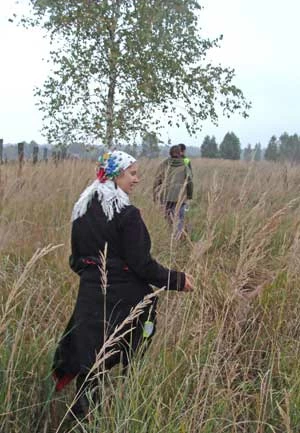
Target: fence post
pixel 45 154
pixel 1 150
pixel 21 152
pixel 54 157
pixel 63 152
pixel 20 156
pixel 35 154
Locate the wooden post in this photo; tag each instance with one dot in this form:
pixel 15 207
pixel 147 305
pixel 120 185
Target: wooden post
pixel 1 184
pixel 1 150
pixel 1 162
pixel 20 156
pixel 45 154
pixel 54 157
pixel 35 154
pixel 21 152
pixel 63 152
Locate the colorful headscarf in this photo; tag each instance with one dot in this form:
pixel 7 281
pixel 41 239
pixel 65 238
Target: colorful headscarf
pixel 112 198
pixel 111 165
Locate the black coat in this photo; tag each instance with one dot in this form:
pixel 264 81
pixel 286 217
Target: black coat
pixel 130 269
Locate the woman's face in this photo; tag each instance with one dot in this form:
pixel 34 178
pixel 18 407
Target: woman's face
pixel 128 179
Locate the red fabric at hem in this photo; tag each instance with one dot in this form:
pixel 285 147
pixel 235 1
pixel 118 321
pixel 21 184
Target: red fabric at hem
pixel 63 381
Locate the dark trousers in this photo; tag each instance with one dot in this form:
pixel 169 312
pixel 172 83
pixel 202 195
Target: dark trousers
pixel 176 218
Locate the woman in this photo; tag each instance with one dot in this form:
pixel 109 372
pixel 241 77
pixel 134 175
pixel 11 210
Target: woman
pixel 103 220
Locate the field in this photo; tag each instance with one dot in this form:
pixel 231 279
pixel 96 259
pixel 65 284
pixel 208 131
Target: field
pixel 226 357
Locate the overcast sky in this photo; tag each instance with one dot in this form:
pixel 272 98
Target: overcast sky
pixel 260 42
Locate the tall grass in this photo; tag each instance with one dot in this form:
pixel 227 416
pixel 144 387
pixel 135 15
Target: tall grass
pixel 225 357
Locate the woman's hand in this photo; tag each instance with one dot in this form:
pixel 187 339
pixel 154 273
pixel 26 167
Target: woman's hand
pixel 189 283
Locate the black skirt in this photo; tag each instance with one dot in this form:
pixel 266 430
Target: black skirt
pixel 95 317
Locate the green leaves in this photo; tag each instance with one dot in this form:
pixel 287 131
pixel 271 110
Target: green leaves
pixel 121 64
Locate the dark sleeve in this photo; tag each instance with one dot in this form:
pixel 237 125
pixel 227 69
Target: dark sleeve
pixel 136 247
pixel 158 180
pixel 74 253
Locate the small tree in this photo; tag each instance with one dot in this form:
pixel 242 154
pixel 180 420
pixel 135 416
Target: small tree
pixel 230 148
pixel 209 147
pixel 271 153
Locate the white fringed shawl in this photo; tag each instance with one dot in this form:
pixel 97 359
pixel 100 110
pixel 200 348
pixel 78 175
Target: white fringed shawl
pixel 113 199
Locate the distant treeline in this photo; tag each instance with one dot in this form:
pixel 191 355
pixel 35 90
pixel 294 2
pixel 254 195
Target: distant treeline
pixel 150 146
pixel 284 148
pixel 81 151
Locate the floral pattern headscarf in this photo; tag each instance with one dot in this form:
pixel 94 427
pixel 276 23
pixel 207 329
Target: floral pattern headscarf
pixel 112 198
pixel 111 164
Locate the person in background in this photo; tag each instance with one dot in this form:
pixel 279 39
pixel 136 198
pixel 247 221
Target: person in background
pixel 105 224
pixel 172 187
pixel 187 161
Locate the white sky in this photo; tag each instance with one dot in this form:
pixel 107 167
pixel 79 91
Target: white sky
pixel 260 43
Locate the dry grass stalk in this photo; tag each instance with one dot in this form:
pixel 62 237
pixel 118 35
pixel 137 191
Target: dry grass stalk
pixel 107 350
pixel 102 269
pixel 228 378
pixel 255 249
pixel 116 336
pixel 16 290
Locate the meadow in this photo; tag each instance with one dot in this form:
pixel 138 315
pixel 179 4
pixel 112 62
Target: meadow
pixel 225 358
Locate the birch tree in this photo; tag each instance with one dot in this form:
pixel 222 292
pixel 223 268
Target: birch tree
pixel 123 67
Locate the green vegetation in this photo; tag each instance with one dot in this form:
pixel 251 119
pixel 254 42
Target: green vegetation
pixel 122 68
